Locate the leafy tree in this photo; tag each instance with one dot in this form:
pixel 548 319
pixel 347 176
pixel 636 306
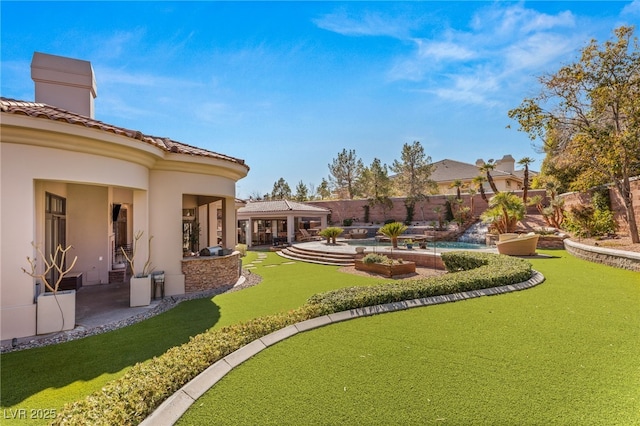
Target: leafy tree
pixel 413 172
pixel 588 116
pixel 345 171
pixel 486 168
pixel 302 192
pixel 375 185
pixel 413 175
pixel 281 190
pixel 324 189
pixel 525 181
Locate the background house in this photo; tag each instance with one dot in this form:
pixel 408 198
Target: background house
pixel 67 178
pixel 505 176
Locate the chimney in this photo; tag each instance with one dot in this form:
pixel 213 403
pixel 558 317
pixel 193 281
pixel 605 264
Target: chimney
pixel 507 164
pixel 64 82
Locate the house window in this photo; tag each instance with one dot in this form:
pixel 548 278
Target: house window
pixel 55 228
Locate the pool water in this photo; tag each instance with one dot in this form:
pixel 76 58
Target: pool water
pixel 458 245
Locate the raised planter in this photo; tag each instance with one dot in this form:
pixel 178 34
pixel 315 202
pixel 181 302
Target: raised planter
pixel 386 270
pixel 140 291
pixel 56 312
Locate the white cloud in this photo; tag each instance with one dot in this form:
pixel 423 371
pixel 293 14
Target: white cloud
pixel 443 50
pixel 632 8
pixel 536 51
pixel 369 24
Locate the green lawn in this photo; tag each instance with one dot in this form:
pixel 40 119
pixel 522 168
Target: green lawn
pixel 566 353
pixel 49 377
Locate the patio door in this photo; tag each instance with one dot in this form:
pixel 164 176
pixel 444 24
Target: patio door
pixel 55 229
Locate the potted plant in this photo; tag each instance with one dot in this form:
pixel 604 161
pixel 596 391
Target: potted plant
pixel 409 244
pixel 140 283
pixel 55 310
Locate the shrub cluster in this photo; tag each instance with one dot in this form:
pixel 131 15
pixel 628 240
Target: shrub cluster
pixel 472 271
pixel 375 258
pixel 134 396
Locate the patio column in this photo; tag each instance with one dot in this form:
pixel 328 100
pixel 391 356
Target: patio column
pixel 141 223
pixel 291 230
pixel 229 223
pixel 249 235
pixel 323 222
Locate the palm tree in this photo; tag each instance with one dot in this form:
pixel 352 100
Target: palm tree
pixel 479 182
pixel 486 168
pixel 525 181
pixel 505 210
pixel 457 184
pixel 393 230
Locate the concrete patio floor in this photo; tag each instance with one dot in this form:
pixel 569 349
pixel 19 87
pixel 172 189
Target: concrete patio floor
pixel 97 306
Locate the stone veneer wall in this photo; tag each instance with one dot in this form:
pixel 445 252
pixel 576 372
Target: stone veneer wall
pixel 616 258
pixel 210 272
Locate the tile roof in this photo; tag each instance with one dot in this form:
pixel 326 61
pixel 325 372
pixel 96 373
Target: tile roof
pixel 48 112
pixel 279 206
pixel 450 170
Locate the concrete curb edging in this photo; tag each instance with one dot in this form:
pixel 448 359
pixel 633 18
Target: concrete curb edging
pixel 177 404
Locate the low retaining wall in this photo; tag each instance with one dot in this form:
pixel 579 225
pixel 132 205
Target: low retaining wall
pixel 421 258
pixel 616 258
pixel 210 272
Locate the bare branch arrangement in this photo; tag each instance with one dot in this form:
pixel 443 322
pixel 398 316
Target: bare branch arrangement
pixel 147 268
pixel 56 262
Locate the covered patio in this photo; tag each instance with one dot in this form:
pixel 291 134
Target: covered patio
pixel 278 222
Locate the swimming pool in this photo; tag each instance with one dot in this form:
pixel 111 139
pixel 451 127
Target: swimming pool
pixel 455 245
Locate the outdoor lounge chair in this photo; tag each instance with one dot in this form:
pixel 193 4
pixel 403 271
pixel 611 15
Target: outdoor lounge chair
pixel 522 245
pixel 306 236
pixel 358 234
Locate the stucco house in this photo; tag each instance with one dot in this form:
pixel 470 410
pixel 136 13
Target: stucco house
pixel 67 178
pixel 506 177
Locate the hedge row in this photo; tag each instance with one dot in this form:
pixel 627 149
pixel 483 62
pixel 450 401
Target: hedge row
pixel 131 398
pixel 473 271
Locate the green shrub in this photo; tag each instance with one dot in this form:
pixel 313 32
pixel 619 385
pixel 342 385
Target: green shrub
pixel 242 248
pixel 375 258
pixel 347 222
pixel 131 398
pixel 475 271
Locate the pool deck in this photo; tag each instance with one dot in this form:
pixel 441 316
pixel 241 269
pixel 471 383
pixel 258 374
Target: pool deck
pixel 343 246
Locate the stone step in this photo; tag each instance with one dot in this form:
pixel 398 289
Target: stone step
pixel 313 256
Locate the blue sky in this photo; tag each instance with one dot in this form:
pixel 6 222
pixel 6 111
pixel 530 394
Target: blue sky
pixel 287 85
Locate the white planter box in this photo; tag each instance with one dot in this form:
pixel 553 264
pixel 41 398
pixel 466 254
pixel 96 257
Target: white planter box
pixel 140 291
pixel 56 312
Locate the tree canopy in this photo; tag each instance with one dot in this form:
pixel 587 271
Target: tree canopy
pixel 413 172
pixel 588 117
pixel 345 171
pixel 281 190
